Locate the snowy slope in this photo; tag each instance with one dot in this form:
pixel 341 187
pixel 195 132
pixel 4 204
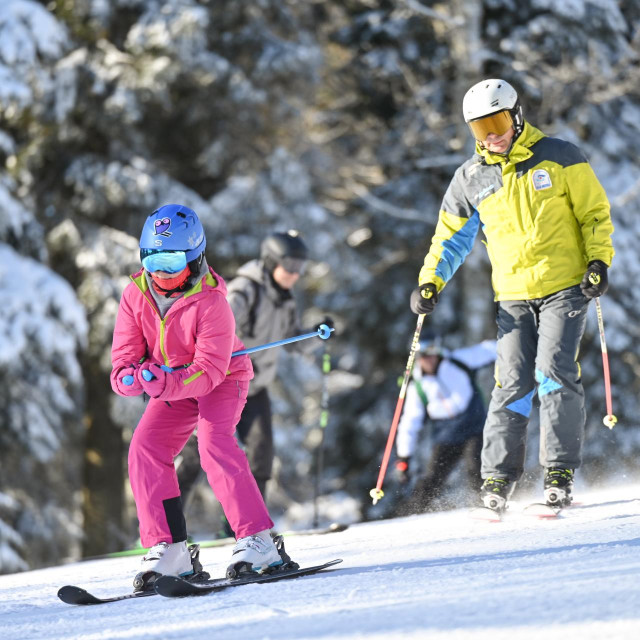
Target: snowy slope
pixel 432 576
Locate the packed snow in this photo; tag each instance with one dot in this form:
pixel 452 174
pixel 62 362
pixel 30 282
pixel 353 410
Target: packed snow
pixel 439 575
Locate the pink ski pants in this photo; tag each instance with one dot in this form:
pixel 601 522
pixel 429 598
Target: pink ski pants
pixel 159 437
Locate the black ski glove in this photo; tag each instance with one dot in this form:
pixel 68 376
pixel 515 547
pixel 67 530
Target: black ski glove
pixel 595 281
pixel 424 299
pixel 402 470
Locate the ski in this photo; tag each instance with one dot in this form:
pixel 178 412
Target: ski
pixel 541 510
pixel 485 514
pixel 143 584
pixel 174 587
pixel 71 594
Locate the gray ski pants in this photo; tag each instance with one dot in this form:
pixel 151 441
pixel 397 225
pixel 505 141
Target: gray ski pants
pixel 538 343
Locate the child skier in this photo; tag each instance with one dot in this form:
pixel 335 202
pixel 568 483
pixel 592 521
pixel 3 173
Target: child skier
pixel 173 340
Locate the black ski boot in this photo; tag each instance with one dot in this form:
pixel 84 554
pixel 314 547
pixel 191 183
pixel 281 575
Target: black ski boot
pixel 558 484
pixel 495 492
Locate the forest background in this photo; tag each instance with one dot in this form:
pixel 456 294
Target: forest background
pixel 340 118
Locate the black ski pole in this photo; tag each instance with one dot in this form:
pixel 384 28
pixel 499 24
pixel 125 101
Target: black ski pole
pixel 324 419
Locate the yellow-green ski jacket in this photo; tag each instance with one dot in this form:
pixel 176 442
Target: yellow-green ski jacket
pixel 543 212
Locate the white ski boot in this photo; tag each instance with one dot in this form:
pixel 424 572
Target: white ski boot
pixel 255 553
pixel 169 559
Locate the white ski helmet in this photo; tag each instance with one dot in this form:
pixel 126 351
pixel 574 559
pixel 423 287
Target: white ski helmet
pixel 492 106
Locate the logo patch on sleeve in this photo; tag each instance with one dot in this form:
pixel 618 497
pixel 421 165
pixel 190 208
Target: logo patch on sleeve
pixel 541 180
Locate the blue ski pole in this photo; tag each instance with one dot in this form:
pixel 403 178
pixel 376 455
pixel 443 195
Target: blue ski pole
pixel 323 332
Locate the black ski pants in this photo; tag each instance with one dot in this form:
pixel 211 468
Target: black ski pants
pixel 255 432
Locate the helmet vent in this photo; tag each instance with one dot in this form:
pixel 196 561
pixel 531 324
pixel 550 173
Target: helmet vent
pixel 182 215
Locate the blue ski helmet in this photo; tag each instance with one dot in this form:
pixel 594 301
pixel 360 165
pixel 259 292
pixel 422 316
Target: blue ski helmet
pixel 174 227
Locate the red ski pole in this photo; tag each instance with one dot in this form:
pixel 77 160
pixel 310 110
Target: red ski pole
pixel 609 420
pixel 377 493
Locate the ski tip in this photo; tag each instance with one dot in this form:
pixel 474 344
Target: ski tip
pixel 485 514
pixel 70 594
pixel 542 510
pixel 333 562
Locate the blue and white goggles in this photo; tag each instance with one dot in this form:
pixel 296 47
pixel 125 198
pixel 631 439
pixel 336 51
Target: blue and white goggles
pixel 167 261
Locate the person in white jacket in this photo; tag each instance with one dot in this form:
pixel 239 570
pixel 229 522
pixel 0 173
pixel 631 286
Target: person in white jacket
pixel 444 392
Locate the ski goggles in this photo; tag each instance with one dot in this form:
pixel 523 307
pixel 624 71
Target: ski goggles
pixel 497 123
pixel 167 261
pixel 292 265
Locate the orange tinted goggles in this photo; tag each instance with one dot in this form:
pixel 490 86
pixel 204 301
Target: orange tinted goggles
pixel 497 123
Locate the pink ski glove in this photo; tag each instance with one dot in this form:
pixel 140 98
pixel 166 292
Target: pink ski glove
pixel 124 381
pixel 155 386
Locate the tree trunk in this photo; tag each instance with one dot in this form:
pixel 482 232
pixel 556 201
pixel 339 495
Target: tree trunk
pixel 103 492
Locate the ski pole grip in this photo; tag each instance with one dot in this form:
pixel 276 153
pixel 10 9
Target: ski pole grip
pixel 324 331
pixel 148 376
pixel 127 381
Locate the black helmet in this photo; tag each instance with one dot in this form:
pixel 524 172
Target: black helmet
pixel 285 249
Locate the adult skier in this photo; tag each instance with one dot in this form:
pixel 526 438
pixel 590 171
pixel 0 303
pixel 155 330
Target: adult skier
pixel 445 393
pixel 548 230
pixel 174 315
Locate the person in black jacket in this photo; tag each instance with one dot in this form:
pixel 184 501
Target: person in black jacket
pixel 265 310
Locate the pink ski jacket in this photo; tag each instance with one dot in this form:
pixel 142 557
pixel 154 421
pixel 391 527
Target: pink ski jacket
pixel 198 330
